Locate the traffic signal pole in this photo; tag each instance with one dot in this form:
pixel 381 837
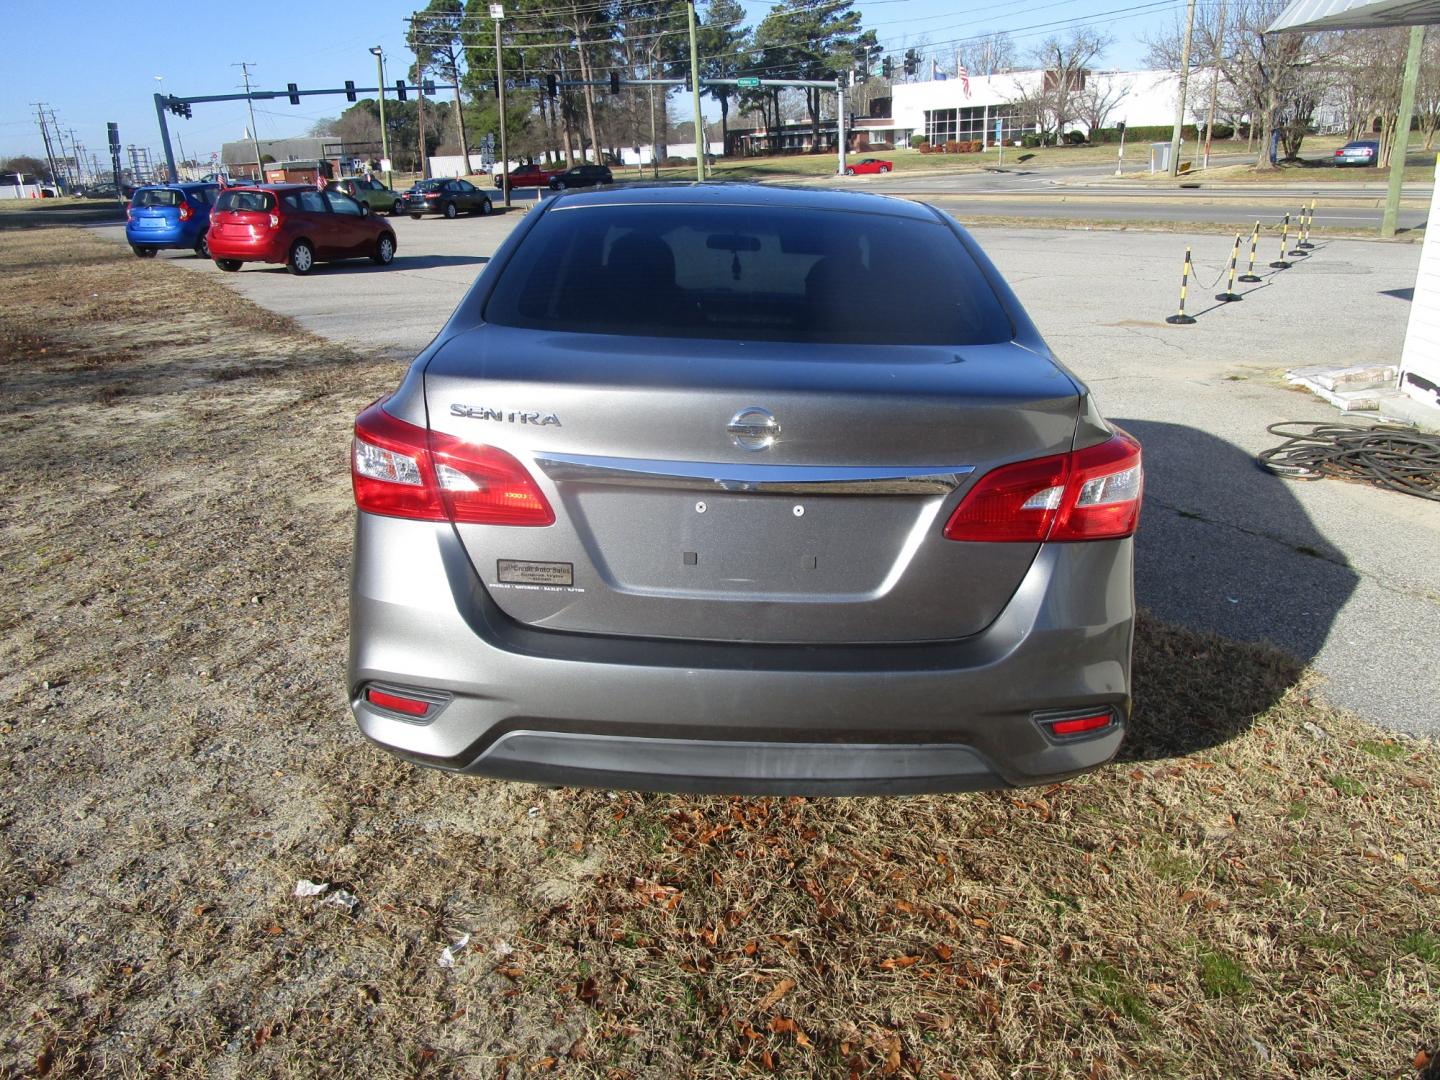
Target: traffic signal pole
pixel 160 103
pixel 695 82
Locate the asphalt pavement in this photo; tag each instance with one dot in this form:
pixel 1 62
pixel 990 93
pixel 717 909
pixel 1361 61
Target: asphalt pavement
pixel 1343 576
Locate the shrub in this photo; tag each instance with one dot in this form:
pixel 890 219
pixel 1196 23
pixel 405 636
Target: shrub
pixel 1075 138
pixel 951 146
pixel 919 142
pixel 1030 141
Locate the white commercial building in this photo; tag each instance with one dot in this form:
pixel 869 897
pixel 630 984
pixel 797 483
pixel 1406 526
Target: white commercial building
pixel 945 109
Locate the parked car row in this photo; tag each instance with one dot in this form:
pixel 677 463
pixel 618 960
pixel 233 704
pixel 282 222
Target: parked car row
pixel 294 224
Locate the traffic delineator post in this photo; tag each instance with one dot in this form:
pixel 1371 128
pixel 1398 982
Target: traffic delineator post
pixel 1280 263
pixel 1180 318
pixel 1299 248
pixel 1250 276
pixel 1305 231
pixel 1229 296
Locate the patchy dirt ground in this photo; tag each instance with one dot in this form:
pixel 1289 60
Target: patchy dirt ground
pixel 1253 891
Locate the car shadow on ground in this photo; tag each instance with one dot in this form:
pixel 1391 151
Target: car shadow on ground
pixel 365 266
pixel 1238 591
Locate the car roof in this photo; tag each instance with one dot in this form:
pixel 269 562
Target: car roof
pixel 271 187
pixel 183 185
pixel 722 193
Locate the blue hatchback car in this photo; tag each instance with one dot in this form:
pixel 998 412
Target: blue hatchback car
pixel 170 216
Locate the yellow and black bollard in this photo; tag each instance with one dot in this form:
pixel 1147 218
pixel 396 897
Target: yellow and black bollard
pixel 1305 232
pixel 1230 295
pixel 1250 277
pixel 1280 263
pixel 1180 317
pixel 1299 248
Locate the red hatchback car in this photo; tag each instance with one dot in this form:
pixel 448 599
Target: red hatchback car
pixel 294 224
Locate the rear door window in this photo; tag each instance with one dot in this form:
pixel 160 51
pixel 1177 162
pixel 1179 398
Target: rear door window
pixel 312 202
pixel 757 273
pixel 342 204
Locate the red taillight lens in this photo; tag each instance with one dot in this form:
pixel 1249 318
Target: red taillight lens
pixel 1079 725
pixel 407 705
pixel 1090 494
pixel 185 212
pixel 405 471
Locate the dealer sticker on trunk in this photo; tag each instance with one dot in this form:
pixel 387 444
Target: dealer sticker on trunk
pixel 520 572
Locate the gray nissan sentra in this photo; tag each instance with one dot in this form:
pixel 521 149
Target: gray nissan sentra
pixel 734 489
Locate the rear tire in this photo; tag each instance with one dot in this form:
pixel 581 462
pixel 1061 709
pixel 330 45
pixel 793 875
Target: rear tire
pixel 143 252
pixel 397 209
pixel 202 248
pixel 384 250
pixel 228 265
pixel 884 168
pixel 559 185
pixel 451 212
pixel 485 209
pixel 414 217
pixel 301 259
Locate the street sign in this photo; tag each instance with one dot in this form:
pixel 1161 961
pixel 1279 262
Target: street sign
pixel 747 83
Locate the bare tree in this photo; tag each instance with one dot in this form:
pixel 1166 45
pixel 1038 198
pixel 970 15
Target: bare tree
pixel 989 55
pixel 1065 61
pixel 1095 103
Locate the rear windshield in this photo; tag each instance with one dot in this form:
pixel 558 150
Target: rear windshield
pixel 258 201
pixel 157 197
pixel 428 185
pixel 765 274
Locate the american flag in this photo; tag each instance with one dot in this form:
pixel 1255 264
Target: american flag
pixel 964 77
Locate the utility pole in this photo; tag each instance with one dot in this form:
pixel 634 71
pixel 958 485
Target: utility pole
pixel 1214 85
pixel 379 55
pixel 1402 132
pixel 254 134
pixel 420 115
pixel 45 138
pixel 497 12
pixel 695 85
pixel 1184 81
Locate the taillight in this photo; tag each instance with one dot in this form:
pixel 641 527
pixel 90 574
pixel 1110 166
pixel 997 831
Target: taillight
pixel 1090 494
pixel 185 212
pixel 401 703
pixel 1083 723
pixel 400 470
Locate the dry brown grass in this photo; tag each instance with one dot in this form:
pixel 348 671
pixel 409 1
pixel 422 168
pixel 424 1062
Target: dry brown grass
pixel 1238 897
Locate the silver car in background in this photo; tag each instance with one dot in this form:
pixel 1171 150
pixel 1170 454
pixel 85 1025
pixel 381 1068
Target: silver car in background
pixel 722 488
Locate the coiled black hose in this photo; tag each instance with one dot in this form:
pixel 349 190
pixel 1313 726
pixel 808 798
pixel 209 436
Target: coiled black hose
pixel 1386 455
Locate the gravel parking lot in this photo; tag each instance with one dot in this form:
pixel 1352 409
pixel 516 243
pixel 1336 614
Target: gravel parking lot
pixel 206 872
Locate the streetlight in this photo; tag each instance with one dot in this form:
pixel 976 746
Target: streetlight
pixel 379 55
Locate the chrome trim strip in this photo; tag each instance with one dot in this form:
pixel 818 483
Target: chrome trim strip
pixel 766 479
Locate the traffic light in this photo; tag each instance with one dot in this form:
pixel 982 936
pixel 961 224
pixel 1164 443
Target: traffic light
pixel 551 86
pixel 887 68
pixel 615 82
pixel 113 131
pixel 349 89
pixel 428 87
pixel 400 89
pixel 178 107
pixel 912 61
pixel 294 93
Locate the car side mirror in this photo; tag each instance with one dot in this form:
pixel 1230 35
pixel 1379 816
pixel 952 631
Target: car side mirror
pixel 364 209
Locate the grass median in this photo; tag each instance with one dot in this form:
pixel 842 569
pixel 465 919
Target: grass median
pixel 1252 890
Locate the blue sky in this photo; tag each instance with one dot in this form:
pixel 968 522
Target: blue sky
pixel 94 62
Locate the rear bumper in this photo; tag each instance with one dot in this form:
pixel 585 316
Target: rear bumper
pixel 547 707
pixel 185 235
pixel 269 249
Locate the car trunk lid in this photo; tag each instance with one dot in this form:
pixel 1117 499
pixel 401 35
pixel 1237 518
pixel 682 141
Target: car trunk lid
pixel 667 525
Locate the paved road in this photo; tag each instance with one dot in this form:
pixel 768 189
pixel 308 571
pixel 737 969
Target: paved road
pixel 1342 576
